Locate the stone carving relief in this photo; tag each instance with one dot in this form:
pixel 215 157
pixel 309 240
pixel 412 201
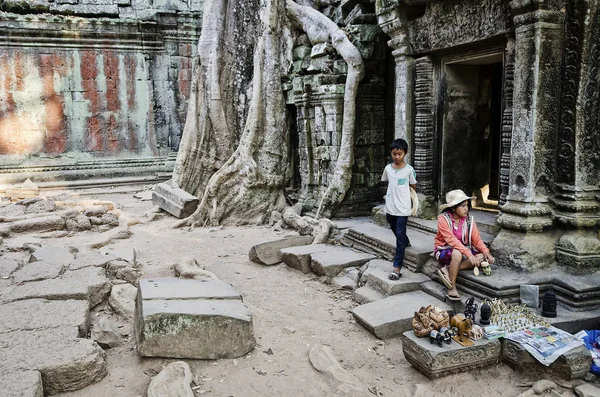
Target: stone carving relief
pixel 424 134
pixel 507 120
pixel 451 23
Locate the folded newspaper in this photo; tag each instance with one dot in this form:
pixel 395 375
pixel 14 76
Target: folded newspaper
pixel 546 344
pixel 493 332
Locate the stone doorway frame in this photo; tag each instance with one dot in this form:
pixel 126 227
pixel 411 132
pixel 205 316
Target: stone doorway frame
pixel 493 53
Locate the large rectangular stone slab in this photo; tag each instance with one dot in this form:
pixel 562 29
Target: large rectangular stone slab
pixel 573 364
pixel 194 329
pixel 21 384
pixel 299 257
pixel 269 253
pixel 331 263
pixel 175 201
pixel 182 289
pixel 390 317
pixel 36 314
pixel 377 277
pixel 197 319
pixel 88 283
pixel 434 361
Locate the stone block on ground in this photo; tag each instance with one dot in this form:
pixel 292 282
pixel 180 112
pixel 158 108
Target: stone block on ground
pixel 106 333
pixel 299 257
pixel 66 362
pixel 89 283
pixel 573 364
pixel 176 202
pixel 174 380
pixel 434 361
pixel 587 390
pixel 391 316
pixel 269 253
pixel 21 384
pixel 122 300
pixel 35 271
pixel 330 263
pixel 343 282
pixel 41 224
pixel 8 266
pixel 53 255
pixel 366 294
pixel 196 319
pixel 37 314
pixel 377 276
pixel 128 254
pixel 90 259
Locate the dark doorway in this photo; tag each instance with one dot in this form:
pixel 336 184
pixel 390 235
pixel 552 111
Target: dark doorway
pixel 471 130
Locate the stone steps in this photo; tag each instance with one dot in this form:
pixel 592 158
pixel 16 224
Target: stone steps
pixel 380 241
pixel 376 276
pixel 390 317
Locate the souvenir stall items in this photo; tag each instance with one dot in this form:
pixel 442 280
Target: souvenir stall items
pixel 514 318
pixel 470 309
pixel 476 332
pixel 436 337
pixel 429 318
pixel 464 326
pixel 447 334
pixel 485 313
pixel 549 304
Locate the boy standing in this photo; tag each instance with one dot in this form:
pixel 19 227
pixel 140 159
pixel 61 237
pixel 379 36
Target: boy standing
pixel 400 177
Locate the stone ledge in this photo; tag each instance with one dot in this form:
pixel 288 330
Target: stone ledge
pixel 434 361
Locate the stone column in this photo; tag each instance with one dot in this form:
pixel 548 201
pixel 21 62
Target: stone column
pixel 536 97
pixel 392 20
pixel 577 205
pixel 507 118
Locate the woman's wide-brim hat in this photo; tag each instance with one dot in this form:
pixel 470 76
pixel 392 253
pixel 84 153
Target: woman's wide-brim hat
pixel 455 197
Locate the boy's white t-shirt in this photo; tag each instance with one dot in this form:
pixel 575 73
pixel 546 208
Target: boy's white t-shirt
pixel 397 198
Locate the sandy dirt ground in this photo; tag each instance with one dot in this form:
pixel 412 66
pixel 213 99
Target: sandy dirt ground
pixel 291 313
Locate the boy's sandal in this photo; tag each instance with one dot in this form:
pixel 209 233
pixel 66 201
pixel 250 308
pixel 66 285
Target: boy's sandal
pixel 487 270
pixel 453 297
pixel 444 279
pixel 394 276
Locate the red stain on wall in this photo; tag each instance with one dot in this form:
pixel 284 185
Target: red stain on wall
pixel 89 73
pixel 130 64
pixel 8 122
pixel 111 71
pixel 56 134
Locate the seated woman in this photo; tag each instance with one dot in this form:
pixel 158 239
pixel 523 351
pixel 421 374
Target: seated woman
pixel 458 244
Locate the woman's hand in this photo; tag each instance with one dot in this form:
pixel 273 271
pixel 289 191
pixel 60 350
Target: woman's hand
pixel 490 258
pixel 474 261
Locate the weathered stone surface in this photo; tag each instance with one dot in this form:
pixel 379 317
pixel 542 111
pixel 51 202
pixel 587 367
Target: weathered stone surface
pixel 18 383
pixel 364 295
pixel 390 317
pixel 65 361
pixel 269 253
pixel 122 270
pixel 38 314
pixel 95 210
pixel 189 268
pixel 176 202
pixel 174 381
pixel 331 263
pixel 299 257
pixel 122 300
pixel 129 254
pixel 106 333
pixel 89 284
pixel 35 271
pixel 587 390
pixel 323 360
pixel 199 319
pixel 42 224
pixel 8 266
pixel 573 364
pixel 53 255
pixel 434 361
pixel 377 276
pixel 90 259
pixel 173 288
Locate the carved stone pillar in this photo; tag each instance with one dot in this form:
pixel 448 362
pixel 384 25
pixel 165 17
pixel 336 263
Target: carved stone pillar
pixel 507 119
pixel 577 205
pixel 538 55
pixel 305 120
pixel 392 20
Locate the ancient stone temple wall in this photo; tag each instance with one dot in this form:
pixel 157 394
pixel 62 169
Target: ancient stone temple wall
pixel 316 90
pixel 83 80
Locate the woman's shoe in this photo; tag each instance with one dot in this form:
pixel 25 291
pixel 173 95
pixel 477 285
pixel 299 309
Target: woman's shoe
pixel 444 278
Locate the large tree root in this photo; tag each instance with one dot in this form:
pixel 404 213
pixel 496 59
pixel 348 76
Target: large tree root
pixel 321 29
